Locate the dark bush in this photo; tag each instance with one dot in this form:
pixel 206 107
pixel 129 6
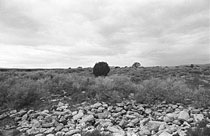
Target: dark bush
pixel 191 65
pixel 101 69
pixel 136 65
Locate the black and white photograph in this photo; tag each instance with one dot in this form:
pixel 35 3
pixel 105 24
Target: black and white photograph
pixel 104 67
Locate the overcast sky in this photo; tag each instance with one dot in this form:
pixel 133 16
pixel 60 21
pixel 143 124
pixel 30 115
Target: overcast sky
pixel 72 33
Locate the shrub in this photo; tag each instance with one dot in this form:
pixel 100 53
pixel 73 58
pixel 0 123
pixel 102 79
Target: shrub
pixel 149 91
pixel 191 65
pixel 112 89
pixel 136 65
pixel 199 130
pixel 71 85
pixel 101 69
pixel 201 97
pixel 23 93
pixel 170 90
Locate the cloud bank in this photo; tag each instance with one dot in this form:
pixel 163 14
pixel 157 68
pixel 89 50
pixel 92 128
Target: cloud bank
pixel 67 33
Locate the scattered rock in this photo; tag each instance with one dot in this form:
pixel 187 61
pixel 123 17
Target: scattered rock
pixel 198 117
pixel 71 132
pixel 87 118
pixel 78 116
pixel 165 134
pixel 184 115
pixel 126 118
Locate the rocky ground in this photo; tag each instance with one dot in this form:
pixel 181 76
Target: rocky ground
pixel 121 119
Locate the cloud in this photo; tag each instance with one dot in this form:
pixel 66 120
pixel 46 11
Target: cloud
pixel 53 33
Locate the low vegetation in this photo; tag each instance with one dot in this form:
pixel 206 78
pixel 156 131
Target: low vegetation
pixel 200 129
pixel 20 89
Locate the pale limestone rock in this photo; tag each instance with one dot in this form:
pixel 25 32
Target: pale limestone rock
pixel 60 134
pixel 50 130
pixel 79 115
pixel 116 129
pixel 165 134
pixel 96 105
pixel 87 118
pixel 50 135
pixel 198 117
pixel 71 132
pixel 183 115
pixel 144 131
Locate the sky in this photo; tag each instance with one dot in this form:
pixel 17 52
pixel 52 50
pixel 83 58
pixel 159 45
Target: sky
pixel 73 33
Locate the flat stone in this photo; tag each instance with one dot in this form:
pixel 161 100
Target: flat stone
pixel 116 129
pixel 39 135
pixel 195 111
pixel 167 119
pixel 50 135
pixel 118 134
pixel 154 125
pixel 96 105
pixel 59 127
pixel 76 135
pixel 87 118
pixel 71 132
pixel 165 134
pixel 65 130
pixel 177 122
pixel 47 125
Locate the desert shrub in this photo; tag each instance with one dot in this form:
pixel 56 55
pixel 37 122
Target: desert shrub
pixel 95 133
pixel 199 132
pixel 136 79
pixel 170 90
pixel 123 84
pixel 176 91
pixel 101 87
pixel 112 89
pixel 59 83
pixel 149 91
pixel 23 93
pixel 3 93
pixel 201 97
pixel 200 129
pixel 70 83
pixel 101 69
